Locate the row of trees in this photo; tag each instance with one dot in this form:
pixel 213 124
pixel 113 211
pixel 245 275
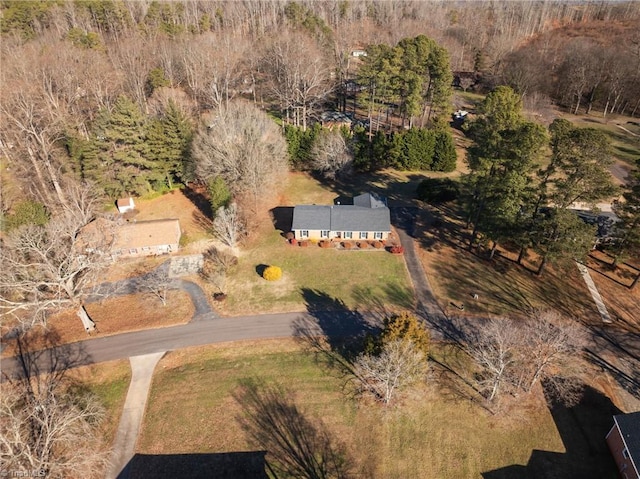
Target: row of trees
pixel 512 199
pixel 591 68
pixel 415 75
pixel 500 357
pixel 464 28
pixel 131 153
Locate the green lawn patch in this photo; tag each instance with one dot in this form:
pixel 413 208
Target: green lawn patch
pixel 353 279
pixel 110 383
pixel 192 410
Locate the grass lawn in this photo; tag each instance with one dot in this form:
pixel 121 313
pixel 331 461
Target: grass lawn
pixel 429 435
pixel 345 278
pixel 109 382
pixel 342 278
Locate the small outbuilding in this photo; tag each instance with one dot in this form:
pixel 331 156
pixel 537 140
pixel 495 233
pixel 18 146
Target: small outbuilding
pixel 125 204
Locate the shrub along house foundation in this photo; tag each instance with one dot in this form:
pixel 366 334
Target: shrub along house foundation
pixel 368 218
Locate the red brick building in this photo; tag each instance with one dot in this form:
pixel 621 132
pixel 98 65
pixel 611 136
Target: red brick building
pixel 624 441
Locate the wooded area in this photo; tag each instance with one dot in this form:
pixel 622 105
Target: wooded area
pixel 110 91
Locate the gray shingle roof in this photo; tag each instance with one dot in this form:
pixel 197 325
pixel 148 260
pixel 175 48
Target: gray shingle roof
pixel 341 218
pixel 629 426
pixel 369 200
pixel 359 218
pixel 311 217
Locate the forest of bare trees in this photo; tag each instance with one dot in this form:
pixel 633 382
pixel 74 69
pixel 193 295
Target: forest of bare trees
pixel 66 64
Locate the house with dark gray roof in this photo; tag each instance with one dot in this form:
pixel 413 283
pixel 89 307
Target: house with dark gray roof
pixel 368 218
pixel 624 442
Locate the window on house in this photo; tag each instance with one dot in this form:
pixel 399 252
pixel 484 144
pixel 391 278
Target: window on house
pixel 348 234
pixel 146 249
pixel 324 234
pixel 364 235
pixel 304 233
pixel 377 235
pixel 133 251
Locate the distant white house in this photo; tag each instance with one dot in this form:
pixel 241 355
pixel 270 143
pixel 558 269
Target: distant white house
pixel 358 53
pixel 125 204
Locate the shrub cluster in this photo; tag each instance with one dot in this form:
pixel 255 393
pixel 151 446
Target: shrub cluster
pixel 325 244
pixel 396 249
pixel 272 273
pixel 438 190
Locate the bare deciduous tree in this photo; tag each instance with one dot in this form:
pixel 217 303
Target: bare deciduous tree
pixel 494 349
pixel 46 425
pixel 228 225
pixel 216 265
pixel 331 155
pixel 46 268
pixel 513 356
pixel 300 76
pixel 399 364
pixel 157 283
pixel 243 146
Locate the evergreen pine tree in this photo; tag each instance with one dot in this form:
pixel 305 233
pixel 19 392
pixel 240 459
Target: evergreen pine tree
pixel 117 155
pixel 169 140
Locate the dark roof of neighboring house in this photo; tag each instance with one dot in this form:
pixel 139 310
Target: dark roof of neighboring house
pixel 629 427
pixel 368 214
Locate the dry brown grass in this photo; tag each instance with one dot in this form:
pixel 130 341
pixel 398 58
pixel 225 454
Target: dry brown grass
pixel 116 315
pixel 192 410
pixel 502 286
pixel 623 303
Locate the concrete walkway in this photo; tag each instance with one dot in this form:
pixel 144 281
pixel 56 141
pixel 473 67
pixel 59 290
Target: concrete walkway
pixel 595 294
pixel 124 445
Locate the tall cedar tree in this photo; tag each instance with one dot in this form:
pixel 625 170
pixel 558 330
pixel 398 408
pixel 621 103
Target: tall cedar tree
pixel 627 231
pixel 501 160
pixel 169 139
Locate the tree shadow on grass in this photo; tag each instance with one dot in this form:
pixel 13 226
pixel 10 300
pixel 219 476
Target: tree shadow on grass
pixel 221 465
pixel 582 427
pixel 330 318
pixel 196 193
pixel 296 445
